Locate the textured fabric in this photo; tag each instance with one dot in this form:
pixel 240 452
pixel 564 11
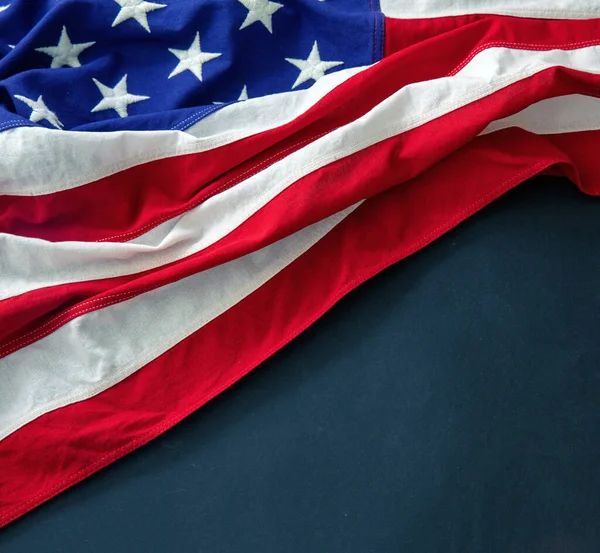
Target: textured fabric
pixel 109 40
pixel 449 404
pixel 567 9
pixel 158 243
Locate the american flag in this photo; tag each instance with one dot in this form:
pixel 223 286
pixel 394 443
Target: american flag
pixel 186 185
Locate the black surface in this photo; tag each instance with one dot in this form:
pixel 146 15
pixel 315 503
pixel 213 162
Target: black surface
pixel 450 405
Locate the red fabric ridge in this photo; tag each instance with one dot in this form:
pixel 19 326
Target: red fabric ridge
pixel 416 189
pixel 87 436
pixel 143 196
pixel 33 315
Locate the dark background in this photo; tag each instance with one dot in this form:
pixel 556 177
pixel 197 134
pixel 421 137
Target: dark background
pixel 451 404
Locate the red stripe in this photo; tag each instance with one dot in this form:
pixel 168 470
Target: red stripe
pixel 146 195
pixel 582 149
pixel 33 315
pixel 459 36
pixel 63 447
pixel 143 196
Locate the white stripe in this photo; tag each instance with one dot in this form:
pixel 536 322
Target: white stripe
pixel 99 349
pixel 564 114
pixel 27 264
pixel 542 9
pixel 36 160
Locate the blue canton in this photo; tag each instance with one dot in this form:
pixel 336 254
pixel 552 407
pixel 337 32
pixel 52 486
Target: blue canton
pixel 108 65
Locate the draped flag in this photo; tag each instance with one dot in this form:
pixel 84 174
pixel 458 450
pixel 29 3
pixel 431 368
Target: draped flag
pixel 186 185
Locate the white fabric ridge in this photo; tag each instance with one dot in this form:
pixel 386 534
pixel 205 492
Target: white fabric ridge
pixel 27 264
pixel 563 114
pixel 542 9
pixel 99 349
pixel 37 161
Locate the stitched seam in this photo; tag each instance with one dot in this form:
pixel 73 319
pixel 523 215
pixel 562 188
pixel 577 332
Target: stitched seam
pixel 193 406
pixel 49 326
pixel 514 12
pixel 193 118
pixel 379 29
pixel 67 315
pixel 14 123
pixel 410 123
pixel 147 355
pixel 382 38
pixel 374 29
pixel 156 154
pixel 519 46
pixel 137 232
pixel 393 129
pixel 182 124
pixel 547 130
pixel 232 182
pixel 474 95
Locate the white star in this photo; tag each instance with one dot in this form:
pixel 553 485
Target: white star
pixel 2 8
pixel 40 111
pixel 313 67
pixel 191 59
pixel 116 98
pixel 136 9
pixel 243 96
pixel 260 10
pixel 65 53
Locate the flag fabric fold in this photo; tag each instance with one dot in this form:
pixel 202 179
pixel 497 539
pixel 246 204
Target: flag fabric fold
pixel 185 186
